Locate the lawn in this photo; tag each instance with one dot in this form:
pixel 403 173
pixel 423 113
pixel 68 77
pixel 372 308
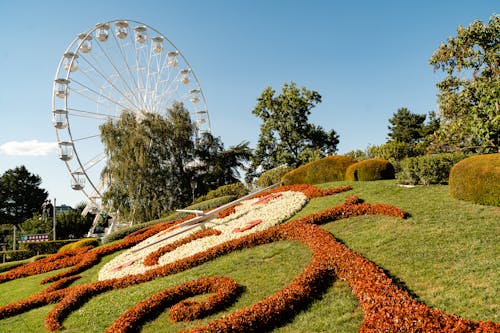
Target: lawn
pixel 445 254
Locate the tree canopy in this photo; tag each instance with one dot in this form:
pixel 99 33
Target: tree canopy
pixel 20 195
pixel 156 163
pixel 286 136
pixel 469 96
pixel 409 127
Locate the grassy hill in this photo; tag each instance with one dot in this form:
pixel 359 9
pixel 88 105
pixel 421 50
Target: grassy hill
pixel 446 254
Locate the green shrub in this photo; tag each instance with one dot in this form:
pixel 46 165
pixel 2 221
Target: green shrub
pixel 79 244
pixel 205 205
pixel 271 177
pixel 14 255
pixel 428 169
pixel 235 189
pixel 373 169
pixel 477 179
pixel 49 247
pixel 327 169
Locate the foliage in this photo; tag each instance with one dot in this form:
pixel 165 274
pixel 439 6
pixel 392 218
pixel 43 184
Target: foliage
pixel 80 244
pixel 372 169
pixel 286 136
pixel 408 127
pixel 428 169
pixel 271 177
pixel 216 166
pixel 15 255
pixel 469 96
pixel 358 154
pixel 395 152
pixel 330 168
pixel 47 247
pixel 477 179
pixel 70 224
pixel 236 190
pixel 147 162
pixel 20 195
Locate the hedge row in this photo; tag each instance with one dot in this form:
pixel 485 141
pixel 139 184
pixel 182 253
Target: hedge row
pixel 373 169
pixel 477 179
pixel 328 169
pixel 94 242
pixel 428 169
pixel 236 190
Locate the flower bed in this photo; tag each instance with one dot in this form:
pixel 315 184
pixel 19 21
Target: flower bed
pixel 269 209
pixel 386 307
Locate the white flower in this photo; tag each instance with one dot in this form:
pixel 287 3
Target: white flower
pixel 270 213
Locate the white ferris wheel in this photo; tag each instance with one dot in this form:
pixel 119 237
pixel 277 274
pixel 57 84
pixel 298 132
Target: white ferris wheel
pixel 117 66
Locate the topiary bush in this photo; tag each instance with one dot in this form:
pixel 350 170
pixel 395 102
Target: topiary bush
pixel 428 169
pixel 271 177
pixel 79 244
pixel 327 169
pixel 235 189
pixel 373 169
pixel 477 179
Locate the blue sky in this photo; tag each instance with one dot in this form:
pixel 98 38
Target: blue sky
pixel 366 59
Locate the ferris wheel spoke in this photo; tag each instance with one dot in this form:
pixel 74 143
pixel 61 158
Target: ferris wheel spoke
pixel 87 138
pixel 129 70
pixel 92 162
pixel 119 75
pixel 162 68
pixel 112 100
pixel 90 114
pixel 168 91
pixel 107 80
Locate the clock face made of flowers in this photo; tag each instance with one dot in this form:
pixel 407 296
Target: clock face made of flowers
pixel 250 216
pixel 386 306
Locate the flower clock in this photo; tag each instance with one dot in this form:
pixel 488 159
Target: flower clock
pixel 171 247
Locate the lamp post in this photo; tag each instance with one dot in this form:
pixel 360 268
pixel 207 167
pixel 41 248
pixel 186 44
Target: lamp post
pixel 193 186
pixel 54 219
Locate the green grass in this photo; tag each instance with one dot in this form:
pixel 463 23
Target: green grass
pixel 446 254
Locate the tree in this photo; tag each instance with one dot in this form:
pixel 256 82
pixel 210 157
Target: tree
pixel 216 166
pixel 20 196
pixel 406 126
pixel 147 163
pixel 469 97
pixel 286 136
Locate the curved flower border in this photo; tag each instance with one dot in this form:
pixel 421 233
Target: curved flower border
pixel 386 306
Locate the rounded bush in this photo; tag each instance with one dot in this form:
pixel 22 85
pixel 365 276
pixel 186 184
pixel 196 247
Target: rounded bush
pixel 327 169
pixel 477 179
pixel 271 177
pixel 373 169
pixel 79 244
pixel 235 189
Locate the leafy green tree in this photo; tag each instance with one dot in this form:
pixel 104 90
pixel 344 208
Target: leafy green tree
pixel 20 196
pixel 469 97
pixel 216 166
pixel 286 136
pixel 147 163
pixel 406 126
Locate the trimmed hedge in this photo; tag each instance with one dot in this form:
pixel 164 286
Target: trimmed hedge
pixel 205 205
pixel 373 169
pixel 271 177
pixel 94 242
pixel 14 255
pixel 428 169
pixel 48 247
pixel 235 189
pixel 328 169
pixel 477 179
